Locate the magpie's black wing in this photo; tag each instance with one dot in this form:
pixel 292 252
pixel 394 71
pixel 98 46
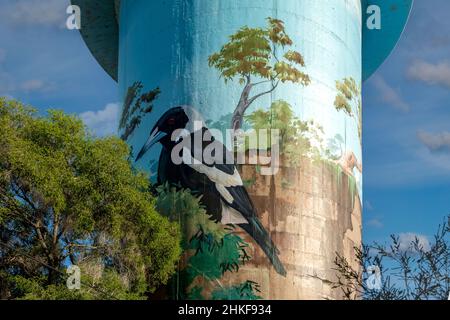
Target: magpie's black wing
pixel 218 170
pixel 223 178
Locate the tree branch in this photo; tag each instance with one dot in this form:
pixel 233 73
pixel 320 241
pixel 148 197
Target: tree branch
pixel 261 82
pixel 274 86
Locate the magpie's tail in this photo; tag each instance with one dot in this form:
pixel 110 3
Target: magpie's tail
pixel 256 230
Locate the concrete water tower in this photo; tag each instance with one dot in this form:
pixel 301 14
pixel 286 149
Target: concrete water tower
pixel 294 66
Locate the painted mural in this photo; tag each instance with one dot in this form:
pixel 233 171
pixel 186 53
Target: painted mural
pixel 275 83
pixel 245 221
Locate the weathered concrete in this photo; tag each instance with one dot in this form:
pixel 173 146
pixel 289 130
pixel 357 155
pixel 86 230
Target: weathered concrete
pixel 316 215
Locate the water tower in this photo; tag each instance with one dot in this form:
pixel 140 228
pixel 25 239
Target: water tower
pixel 293 66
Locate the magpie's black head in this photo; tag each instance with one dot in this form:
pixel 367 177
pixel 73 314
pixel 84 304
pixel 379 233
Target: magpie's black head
pixel 174 120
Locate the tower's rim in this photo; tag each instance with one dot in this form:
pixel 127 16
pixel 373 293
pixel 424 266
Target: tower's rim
pixel 100 32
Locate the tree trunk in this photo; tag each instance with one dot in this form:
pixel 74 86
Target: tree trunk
pixel 54 262
pixel 238 115
pixel 53 274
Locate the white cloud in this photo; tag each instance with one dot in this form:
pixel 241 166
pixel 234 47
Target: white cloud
pixel 438 162
pixel 368 205
pixel 433 74
pixel 9 85
pixel 102 122
pixel 435 142
pixel 389 95
pixel 407 239
pixel 421 168
pixel 35 13
pixel 375 223
pixel 32 85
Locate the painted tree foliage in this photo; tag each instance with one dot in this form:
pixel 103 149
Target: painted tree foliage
pixel 348 100
pixel 259 58
pixel 135 107
pixel 69 198
pixel 211 249
pixel 296 136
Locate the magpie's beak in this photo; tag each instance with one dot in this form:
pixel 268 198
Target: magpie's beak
pixel 154 138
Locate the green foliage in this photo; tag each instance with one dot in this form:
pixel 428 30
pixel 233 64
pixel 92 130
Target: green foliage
pixel 211 262
pixel 295 135
pixel 249 182
pixel 343 178
pixel 348 100
pixel 183 207
pixel 67 197
pixel 133 110
pixel 195 294
pixel 408 271
pixel 347 91
pixel 213 249
pixel 245 291
pixel 251 52
pixel 110 285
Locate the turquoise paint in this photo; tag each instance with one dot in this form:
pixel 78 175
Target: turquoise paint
pixel 171 51
pixel 166 44
pixel 378 44
pixel 100 32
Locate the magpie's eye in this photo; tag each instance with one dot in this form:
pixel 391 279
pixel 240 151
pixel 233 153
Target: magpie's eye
pixel 171 121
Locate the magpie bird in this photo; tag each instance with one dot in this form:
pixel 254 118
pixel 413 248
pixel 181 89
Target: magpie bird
pixel 218 182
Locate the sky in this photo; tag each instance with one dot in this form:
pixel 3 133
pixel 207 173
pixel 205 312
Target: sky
pixel 406 106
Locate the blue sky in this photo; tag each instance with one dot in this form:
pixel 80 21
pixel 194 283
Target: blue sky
pixel 406 106
pixel 406 130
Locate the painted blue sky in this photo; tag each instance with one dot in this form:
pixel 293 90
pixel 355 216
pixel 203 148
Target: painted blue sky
pixel 406 106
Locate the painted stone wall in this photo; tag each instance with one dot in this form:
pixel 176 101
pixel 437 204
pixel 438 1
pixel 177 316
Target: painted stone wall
pixel 311 213
pixel 288 65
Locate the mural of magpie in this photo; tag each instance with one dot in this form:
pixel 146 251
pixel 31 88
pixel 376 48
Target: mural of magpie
pixel 219 183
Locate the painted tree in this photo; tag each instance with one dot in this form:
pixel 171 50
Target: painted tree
pixel 348 100
pixel 135 107
pixel 211 250
pixel 259 57
pixel 296 136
